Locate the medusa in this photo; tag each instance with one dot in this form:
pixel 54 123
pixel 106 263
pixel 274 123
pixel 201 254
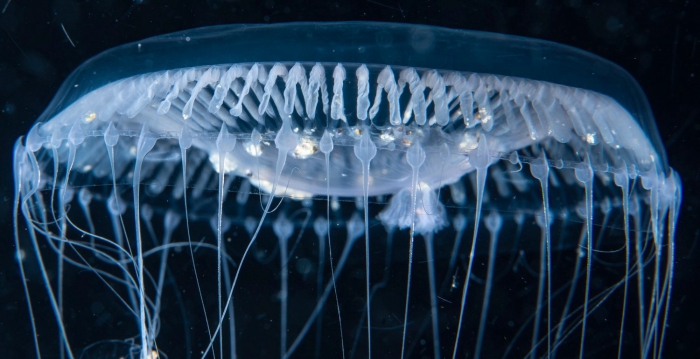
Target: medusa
pixel 259 190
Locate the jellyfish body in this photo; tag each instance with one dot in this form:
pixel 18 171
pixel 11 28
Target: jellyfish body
pixel 236 201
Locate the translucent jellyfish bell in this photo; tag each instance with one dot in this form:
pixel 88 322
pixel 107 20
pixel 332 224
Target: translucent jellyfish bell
pixel 323 131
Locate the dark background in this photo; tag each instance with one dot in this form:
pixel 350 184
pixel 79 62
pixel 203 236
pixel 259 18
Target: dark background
pixel 658 42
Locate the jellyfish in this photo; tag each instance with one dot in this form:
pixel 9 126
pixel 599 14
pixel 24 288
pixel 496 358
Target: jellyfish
pixel 346 190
